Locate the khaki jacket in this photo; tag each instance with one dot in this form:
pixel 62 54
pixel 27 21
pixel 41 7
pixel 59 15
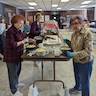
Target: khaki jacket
pixel 82 44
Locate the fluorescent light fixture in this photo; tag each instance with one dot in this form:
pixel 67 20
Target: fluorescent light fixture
pixel 64 0
pixel 39 9
pixel 86 2
pixel 32 3
pixel 83 6
pixel 54 5
pixel 58 8
pixel 31 7
pixel 72 9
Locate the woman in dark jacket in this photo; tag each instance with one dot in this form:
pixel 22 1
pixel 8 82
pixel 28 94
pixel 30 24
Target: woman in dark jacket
pixel 35 27
pixel 14 42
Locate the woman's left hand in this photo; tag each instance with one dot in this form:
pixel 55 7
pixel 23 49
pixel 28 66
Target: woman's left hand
pixel 70 54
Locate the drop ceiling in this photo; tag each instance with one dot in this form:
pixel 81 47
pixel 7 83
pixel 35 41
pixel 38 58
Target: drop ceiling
pixel 46 5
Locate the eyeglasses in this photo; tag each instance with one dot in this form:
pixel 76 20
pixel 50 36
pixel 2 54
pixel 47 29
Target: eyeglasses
pixel 75 23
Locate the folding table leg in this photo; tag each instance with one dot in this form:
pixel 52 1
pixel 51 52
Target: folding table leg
pixel 54 69
pixel 42 68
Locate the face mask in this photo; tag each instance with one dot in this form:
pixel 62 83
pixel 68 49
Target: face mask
pixel 2 28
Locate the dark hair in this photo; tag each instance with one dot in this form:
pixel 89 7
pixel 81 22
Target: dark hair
pixel 1 18
pixel 76 18
pixel 85 20
pixel 16 18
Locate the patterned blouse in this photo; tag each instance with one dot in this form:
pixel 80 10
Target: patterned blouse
pixel 82 44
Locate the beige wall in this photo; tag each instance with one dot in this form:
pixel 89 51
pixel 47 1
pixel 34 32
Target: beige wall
pixel 95 14
pixel 62 13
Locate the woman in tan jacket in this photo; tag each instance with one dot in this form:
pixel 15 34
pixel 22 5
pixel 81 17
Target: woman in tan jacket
pixel 82 46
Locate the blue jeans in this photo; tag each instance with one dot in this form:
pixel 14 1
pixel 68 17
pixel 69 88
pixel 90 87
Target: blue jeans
pixel 82 77
pixel 14 70
pixel 76 76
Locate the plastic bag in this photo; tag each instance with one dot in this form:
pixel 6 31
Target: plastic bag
pixel 66 93
pixel 33 91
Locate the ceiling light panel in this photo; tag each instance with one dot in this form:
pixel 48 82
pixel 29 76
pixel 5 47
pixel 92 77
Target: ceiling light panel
pixel 64 0
pixel 54 5
pixel 86 2
pixel 32 3
pixel 31 8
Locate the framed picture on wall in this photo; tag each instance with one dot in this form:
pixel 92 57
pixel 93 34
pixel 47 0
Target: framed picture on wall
pixel 9 17
pixel 47 17
pixel 30 19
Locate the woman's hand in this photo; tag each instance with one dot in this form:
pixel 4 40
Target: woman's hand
pixel 20 42
pixel 70 54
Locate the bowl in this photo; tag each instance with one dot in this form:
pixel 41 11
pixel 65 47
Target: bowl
pixel 38 39
pixel 30 47
pixel 41 51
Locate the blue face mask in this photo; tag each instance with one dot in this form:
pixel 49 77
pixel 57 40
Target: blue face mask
pixel 2 28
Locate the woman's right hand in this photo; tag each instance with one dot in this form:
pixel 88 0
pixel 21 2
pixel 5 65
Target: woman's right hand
pixel 70 54
pixel 20 42
pixel 23 41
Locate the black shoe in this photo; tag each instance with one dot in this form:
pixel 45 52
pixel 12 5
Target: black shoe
pixel 74 91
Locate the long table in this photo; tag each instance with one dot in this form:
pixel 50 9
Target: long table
pixel 46 58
